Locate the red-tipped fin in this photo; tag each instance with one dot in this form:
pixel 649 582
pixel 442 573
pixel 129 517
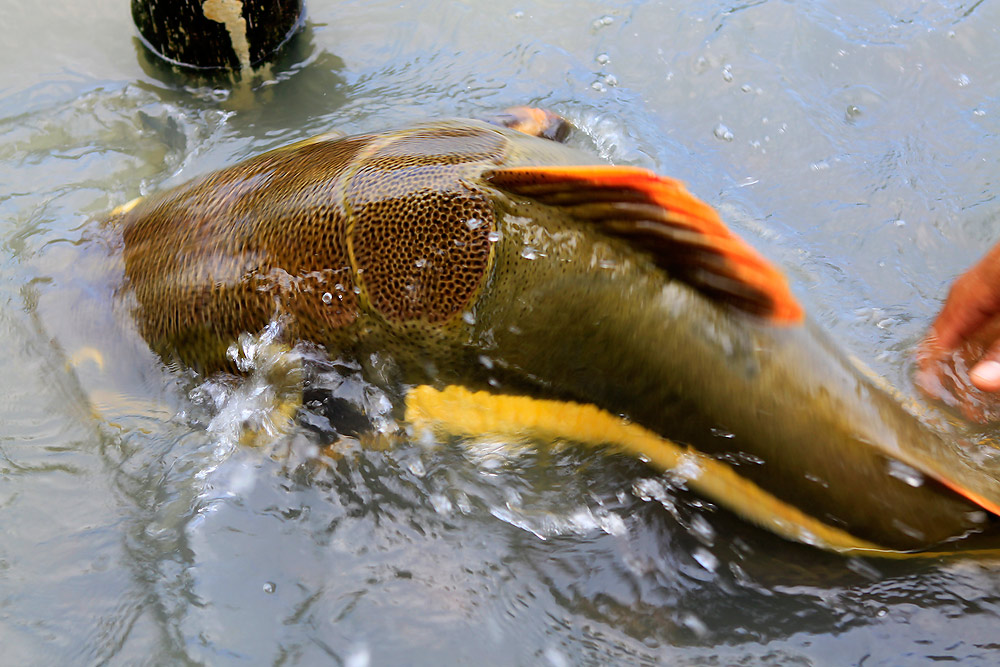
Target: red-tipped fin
pixel 684 235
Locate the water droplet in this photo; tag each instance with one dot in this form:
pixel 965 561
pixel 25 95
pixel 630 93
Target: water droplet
pixel 963 80
pixel 518 14
pixel 468 317
pixel 853 112
pixel 727 73
pixel 603 21
pixel 863 568
pixel 555 657
pixel 473 223
pixel 598 86
pixel 746 88
pixel 703 529
pixel 688 467
pixel 611 80
pixel 602 59
pixel 817 480
pixel 486 361
pixel 327 298
pixel 903 472
pixel 706 559
pixel 493 237
pixel 440 503
pixel 978 112
pixel 417 468
pixel 722 433
pixel 529 253
pixel 270 587
pixel 694 624
pixel 360 656
pixel 420 263
pixel 977 516
pixel 722 132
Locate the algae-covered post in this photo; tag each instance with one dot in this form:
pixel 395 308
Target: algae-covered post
pixel 216 34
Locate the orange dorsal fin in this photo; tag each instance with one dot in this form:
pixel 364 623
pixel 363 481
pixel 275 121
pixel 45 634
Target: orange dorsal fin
pixel 684 235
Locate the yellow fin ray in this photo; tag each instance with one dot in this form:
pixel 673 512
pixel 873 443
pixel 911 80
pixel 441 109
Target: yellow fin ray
pixel 458 411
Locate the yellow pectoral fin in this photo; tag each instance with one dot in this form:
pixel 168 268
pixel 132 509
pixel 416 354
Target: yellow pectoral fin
pixel 458 411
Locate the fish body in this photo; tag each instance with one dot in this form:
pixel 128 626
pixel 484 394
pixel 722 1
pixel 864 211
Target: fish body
pixel 476 255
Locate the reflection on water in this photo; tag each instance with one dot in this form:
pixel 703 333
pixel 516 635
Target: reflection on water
pixel 859 150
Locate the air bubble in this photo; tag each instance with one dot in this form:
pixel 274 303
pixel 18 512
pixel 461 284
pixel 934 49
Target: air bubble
pixel 722 132
pixel 903 472
pixel 493 237
pixel 327 298
pixel 603 21
pixel 603 59
pixel 270 587
pixel 529 253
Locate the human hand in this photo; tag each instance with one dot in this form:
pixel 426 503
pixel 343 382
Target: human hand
pixel 959 359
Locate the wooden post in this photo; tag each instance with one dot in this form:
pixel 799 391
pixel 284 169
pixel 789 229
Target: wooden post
pixel 216 34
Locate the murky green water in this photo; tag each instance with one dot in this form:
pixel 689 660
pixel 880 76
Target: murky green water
pixel 854 142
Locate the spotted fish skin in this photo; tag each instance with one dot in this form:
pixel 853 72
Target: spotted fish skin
pixel 447 247
pixel 359 240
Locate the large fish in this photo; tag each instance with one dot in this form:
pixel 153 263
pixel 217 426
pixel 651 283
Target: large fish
pixel 476 255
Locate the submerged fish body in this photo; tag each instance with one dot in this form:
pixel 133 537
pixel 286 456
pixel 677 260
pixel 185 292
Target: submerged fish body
pixel 477 255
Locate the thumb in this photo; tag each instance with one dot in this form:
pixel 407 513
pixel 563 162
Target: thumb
pixel 986 373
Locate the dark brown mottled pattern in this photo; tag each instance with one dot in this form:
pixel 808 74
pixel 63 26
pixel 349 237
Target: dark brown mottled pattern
pixel 319 231
pixel 420 235
pixel 223 254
